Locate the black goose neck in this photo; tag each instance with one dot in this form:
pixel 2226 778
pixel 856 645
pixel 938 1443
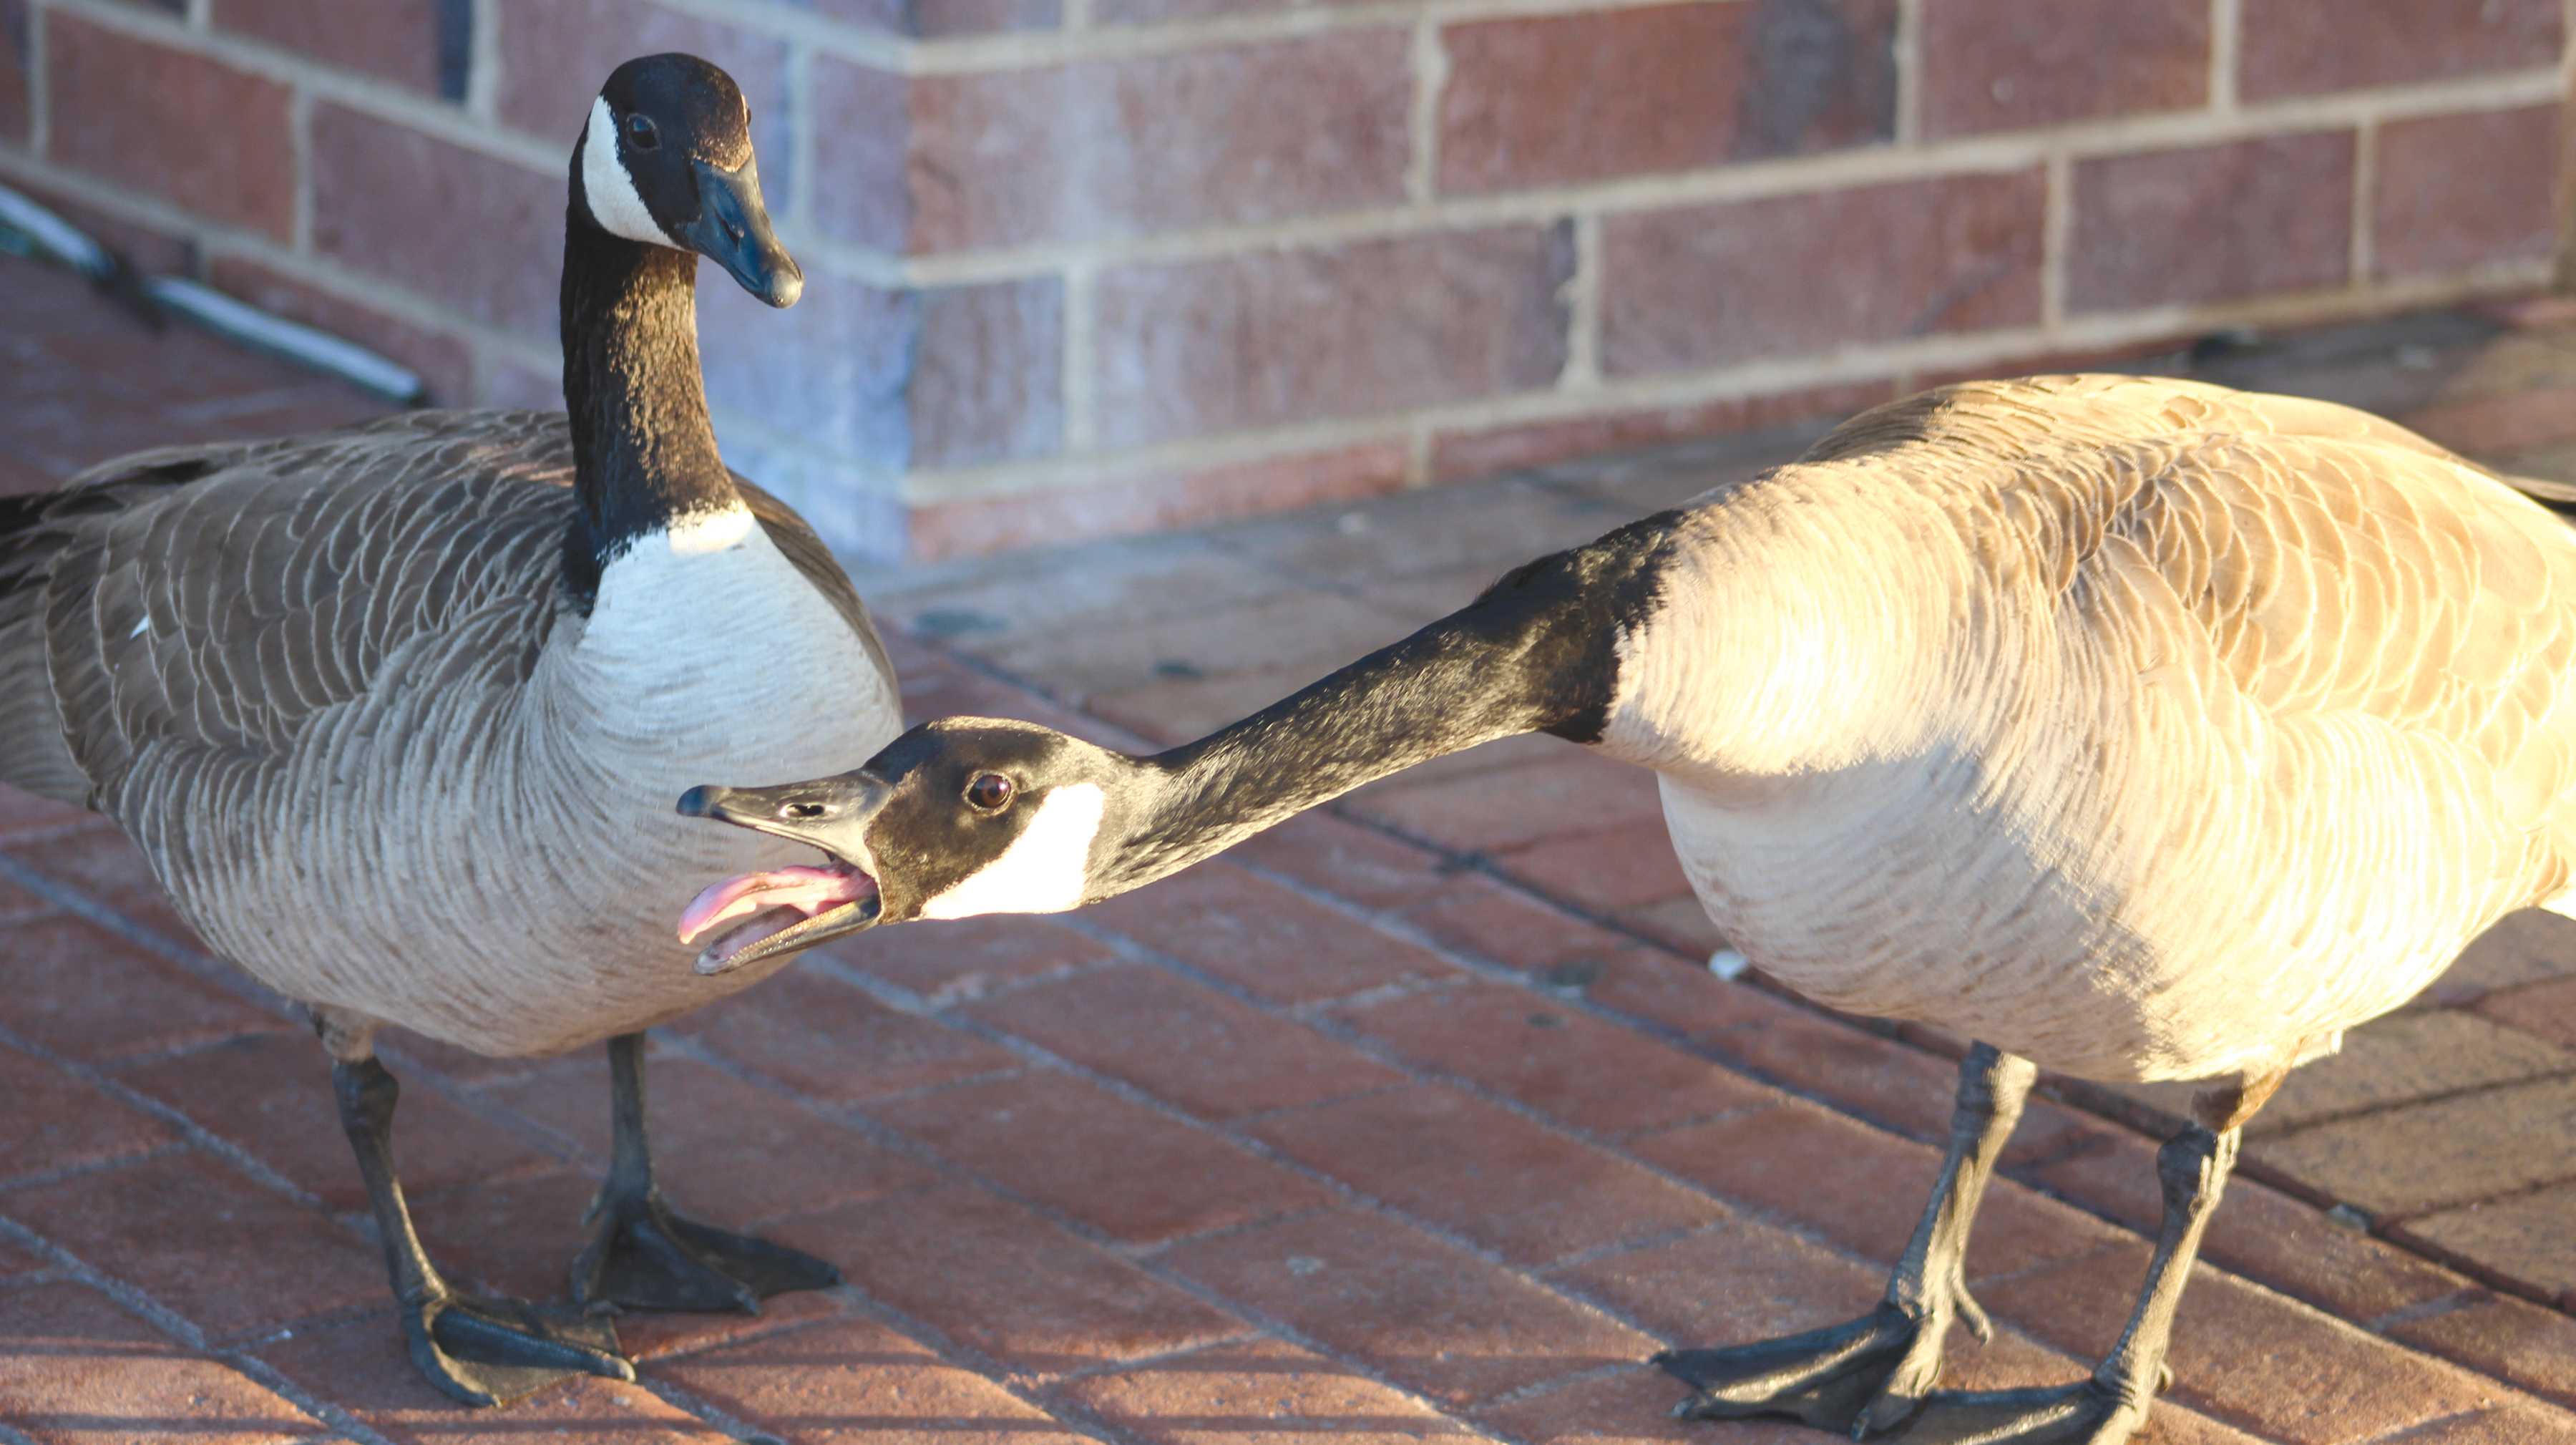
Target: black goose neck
pixel 644 451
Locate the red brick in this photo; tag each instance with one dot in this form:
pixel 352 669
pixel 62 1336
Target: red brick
pixel 221 1252
pixel 1704 286
pixel 1732 1283
pixel 998 1279
pixel 84 992
pixel 271 1095
pixel 855 1380
pixel 1356 328
pixel 2258 1232
pixel 508 385
pixel 1863 1189
pixel 1156 502
pixel 1529 1194
pixel 514 1235
pixel 1502 923
pixel 1459 454
pixel 828 1039
pixel 403 41
pixel 1991 65
pixel 1260 936
pixel 15 40
pixel 2493 426
pixel 1814 1053
pixel 1124 1170
pixel 2462 191
pixel 55 1121
pixel 1629 1407
pixel 360 1365
pixel 729 1153
pixel 23 812
pixel 1346 859
pixel 2212 223
pixel 857 193
pixel 561 51
pixel 75 1369
pixel 2296 47
pixel 1262 1393
pixel 1541 100
pixel 2438 1154
pixel 102 863
pixel 1496 811
pixel 946 961
pixel 1566 1064
pixel 1197 1048
pixel 1604 870
pixel 2243 1355
pixel 1235 135
pixel 2510 1339
pixel 186 128
pixel 2522 1239
pixel 1680 924
pixel 830 373
pixel 1426 1315
pixel 988 382
pixel 2517 1423
pixel 1321 628
pixel 2545 1009
pixel 2526 946
pixel 460 228
pixel 444 362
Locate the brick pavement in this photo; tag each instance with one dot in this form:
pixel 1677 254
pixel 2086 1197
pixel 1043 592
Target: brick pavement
pixel 1414 1117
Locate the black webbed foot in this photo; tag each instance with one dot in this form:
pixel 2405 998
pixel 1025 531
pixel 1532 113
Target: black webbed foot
pixel 1865 1374
pixel 645 1257
pixel 485 1351
pixel 2082 1414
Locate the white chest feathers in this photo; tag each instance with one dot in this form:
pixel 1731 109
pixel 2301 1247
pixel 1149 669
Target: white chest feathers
pixel 1045 868
pixel 706 645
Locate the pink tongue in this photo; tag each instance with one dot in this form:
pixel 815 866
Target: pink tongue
pixel 807 890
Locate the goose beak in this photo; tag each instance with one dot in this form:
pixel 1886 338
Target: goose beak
pixel 732 229
pixel 789 909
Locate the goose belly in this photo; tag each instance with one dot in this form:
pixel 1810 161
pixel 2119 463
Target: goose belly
pixel 502 869
pixel 1897 892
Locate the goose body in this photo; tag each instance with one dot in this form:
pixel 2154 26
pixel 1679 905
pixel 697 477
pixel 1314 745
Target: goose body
pixel 2136 728
pixel 345 667
pixel 2145 729
pixel 395 711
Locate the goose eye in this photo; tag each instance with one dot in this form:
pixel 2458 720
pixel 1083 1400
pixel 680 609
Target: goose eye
pixel 640 133
pixel 989 792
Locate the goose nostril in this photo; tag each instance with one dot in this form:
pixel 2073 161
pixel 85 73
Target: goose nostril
pixel 803 812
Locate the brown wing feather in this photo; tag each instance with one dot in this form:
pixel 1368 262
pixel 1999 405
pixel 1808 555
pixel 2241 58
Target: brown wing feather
pixel 228 611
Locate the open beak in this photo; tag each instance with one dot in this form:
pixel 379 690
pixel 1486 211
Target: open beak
pixel 787 909
pixel 732 229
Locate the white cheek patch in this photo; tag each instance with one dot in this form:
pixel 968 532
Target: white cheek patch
pixel 1044 869
pixel 614 203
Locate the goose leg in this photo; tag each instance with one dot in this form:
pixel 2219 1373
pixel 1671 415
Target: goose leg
pixel 2108 1408
pixel 480 1351
pixel 643 1256
pixel 1872 1371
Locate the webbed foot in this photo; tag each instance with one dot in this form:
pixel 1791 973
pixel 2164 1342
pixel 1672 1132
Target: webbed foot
pixel 647 1258
pixel 485 1351
pixel 2081 1414
pixel 1848 1378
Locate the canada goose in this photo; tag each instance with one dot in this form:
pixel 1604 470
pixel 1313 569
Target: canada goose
pixel 396 711
pixel 2139 729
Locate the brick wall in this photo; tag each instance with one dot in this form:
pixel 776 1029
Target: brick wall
pixel 1081 266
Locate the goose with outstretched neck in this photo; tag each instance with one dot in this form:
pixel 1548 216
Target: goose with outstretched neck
pixel 395 712
pixel 2135 728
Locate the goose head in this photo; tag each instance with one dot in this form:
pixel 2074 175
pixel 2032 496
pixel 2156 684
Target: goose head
pixel 666 160
pixel 958 817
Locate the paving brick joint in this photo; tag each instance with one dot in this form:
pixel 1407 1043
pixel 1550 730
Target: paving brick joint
pixel 1418 1116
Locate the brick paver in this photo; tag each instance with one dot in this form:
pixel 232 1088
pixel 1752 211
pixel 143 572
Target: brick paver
pixel 1415 1117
